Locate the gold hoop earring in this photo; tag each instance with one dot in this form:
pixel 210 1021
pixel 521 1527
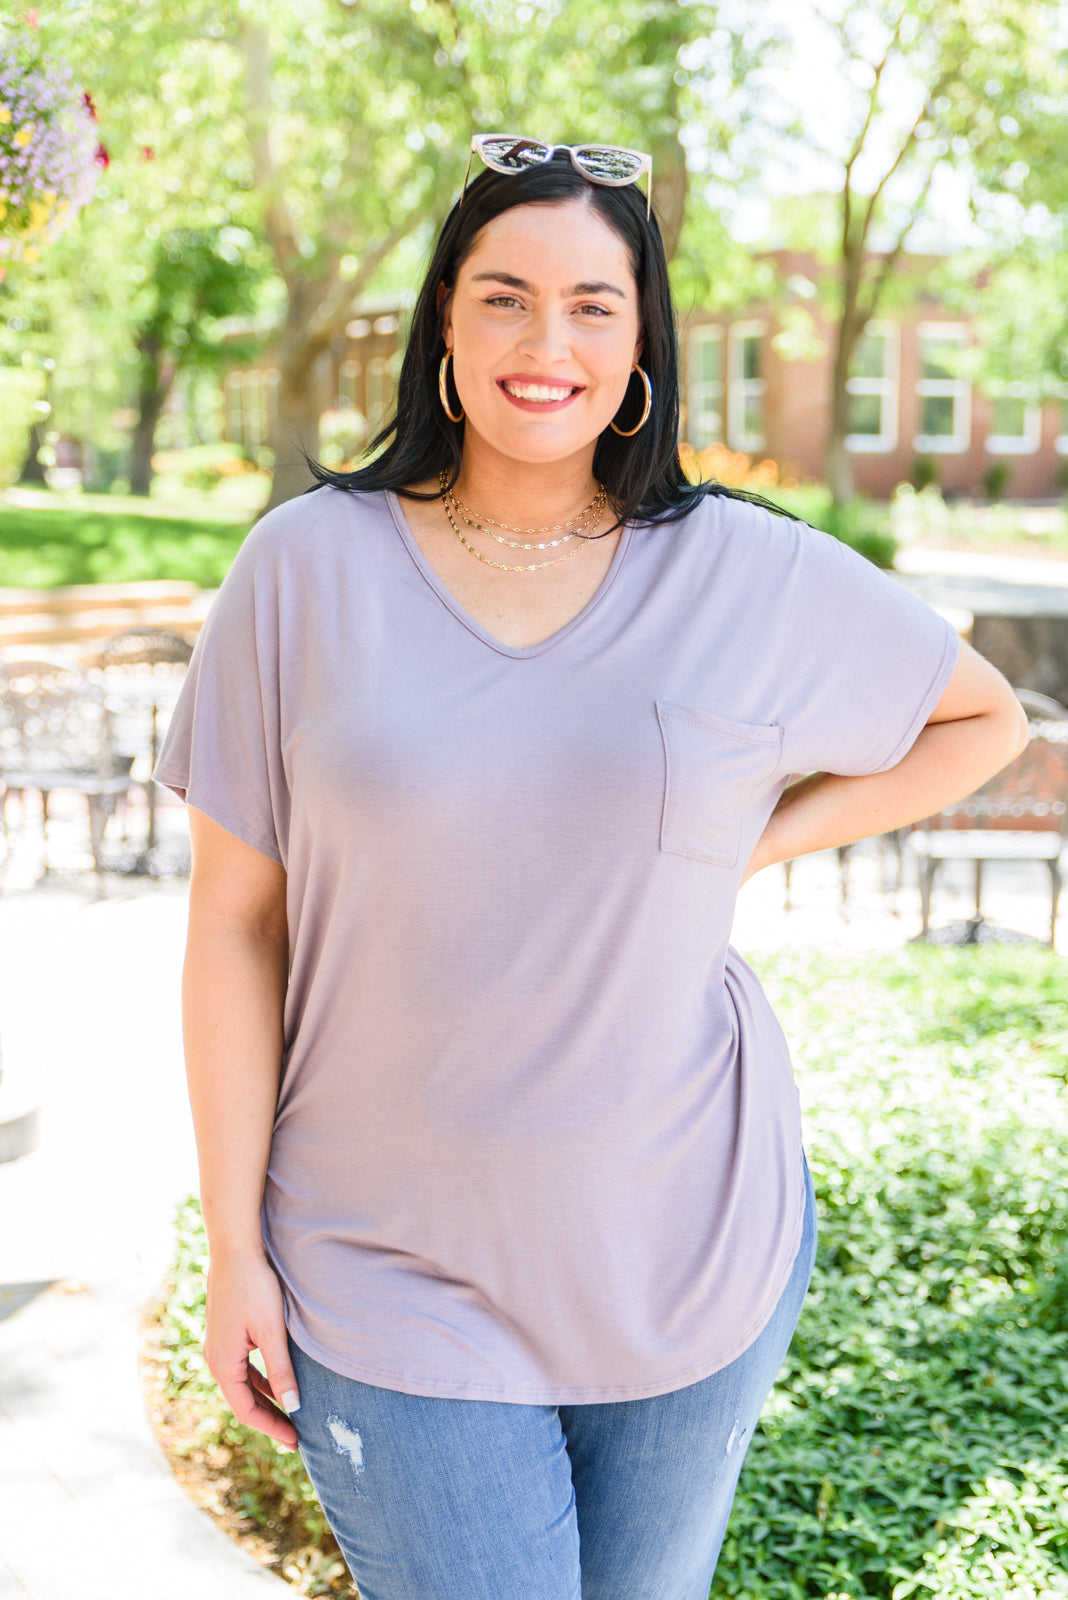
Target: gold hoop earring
pixel 443 388
pixel 628 433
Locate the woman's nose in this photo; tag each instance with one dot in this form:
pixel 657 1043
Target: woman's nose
pixel 546 337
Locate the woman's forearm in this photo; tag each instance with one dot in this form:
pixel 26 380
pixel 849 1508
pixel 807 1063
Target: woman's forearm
pixel 233 992
pixel 947 761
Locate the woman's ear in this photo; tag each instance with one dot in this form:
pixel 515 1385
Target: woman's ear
pixel 638 348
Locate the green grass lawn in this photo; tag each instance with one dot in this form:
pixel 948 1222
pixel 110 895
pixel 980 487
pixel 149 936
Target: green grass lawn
pixel 52 540
pixel 916 1442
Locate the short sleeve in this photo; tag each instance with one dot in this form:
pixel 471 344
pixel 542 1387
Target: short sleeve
pixel 869 661
pixel 222 751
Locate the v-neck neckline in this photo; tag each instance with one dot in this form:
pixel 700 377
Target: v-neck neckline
pixel 448 599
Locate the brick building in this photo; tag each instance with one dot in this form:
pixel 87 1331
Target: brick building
pixel 760 381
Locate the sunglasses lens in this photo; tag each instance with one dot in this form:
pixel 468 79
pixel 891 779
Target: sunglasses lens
pixel 513 155
pixel 605 164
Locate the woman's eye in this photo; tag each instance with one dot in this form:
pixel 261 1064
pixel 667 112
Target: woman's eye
pixel 595 311
pixel 505 300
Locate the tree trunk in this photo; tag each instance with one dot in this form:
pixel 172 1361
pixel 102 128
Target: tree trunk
pixel 298 402
pixel 143 440
pixel 157 381
pixel 32 468
pixel 670 188
pixel 296 430
pixel 840 479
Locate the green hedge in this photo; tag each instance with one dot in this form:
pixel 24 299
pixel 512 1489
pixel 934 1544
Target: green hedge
pixel 916 1442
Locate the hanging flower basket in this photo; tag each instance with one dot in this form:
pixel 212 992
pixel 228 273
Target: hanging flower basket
pixel 50 150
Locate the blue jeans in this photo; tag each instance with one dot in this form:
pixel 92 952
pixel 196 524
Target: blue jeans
pixel 435 1499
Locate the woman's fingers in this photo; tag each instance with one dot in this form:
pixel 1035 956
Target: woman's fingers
pixel 245 1313
pixel 282 1379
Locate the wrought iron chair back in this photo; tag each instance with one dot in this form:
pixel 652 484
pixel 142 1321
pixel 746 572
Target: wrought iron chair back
pixel 55 734
pixel 158 648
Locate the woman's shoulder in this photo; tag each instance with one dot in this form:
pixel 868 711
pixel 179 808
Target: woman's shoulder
pixel 321 513
pixel 725 523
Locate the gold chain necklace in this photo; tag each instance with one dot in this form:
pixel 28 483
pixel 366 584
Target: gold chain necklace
pixel 502 566
pixel 591 516
pixel 595 507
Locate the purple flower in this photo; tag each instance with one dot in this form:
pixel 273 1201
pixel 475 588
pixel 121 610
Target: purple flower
pixel 50 149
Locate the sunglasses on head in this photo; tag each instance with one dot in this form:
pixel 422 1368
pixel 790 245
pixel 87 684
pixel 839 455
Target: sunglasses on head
pixel 601 163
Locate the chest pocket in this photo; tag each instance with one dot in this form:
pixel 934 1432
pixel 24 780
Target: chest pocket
pixel 714 767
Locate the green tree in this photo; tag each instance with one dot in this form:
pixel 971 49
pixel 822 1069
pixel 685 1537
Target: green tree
pixel 199 277
pixel 346 125
pixel 933 85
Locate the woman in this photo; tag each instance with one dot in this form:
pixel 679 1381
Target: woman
pixel 500 1150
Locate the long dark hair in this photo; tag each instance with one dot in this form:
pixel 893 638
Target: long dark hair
pixel 643 475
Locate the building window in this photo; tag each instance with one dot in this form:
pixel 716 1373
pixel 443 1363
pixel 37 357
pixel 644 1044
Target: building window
pixel 348 386
pixel 745 409
pixel 1015 425
pixel 380 384
pixel 251 408
pixel 705 387
pixel 872 388
pixel 945 397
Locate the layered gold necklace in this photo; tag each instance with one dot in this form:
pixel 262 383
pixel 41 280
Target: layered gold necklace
pixel 577 527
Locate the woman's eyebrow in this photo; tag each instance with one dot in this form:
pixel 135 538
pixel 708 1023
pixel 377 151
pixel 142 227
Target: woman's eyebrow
pixel 528 288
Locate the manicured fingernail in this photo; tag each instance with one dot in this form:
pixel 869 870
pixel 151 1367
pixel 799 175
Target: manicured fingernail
pixel 290 1401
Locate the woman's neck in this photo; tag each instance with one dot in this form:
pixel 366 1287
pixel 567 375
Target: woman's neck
pixel 519 492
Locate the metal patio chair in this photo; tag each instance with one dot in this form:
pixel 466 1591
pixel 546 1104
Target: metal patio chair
pixel 55 734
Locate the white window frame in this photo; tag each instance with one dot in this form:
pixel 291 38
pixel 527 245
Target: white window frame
pixel 235 426
pixel 381 380
pixel 958 389
pixel 1012 444
pixel 740 389
pixel 348 385
pixel 701 391
pixel 885 388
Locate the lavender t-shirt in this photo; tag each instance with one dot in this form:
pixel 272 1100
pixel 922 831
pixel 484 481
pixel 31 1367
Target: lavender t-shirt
pixel 537 1135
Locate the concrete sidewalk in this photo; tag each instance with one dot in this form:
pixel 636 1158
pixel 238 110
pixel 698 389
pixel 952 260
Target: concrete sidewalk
pixel 90 1024
pixel 89 1507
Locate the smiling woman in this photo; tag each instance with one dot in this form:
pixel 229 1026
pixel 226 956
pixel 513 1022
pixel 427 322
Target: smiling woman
pixel 501 1157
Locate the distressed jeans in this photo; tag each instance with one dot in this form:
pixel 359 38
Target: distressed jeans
pixel 437 1499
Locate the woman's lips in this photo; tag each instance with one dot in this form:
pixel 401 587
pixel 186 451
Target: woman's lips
pixel 530 395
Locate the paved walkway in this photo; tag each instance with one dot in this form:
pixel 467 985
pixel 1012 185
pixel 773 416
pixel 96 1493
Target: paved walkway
pixel 89 1013
pixel 90 1032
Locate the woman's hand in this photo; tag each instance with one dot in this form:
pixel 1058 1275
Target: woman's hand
pixel 244 1313
pixel 977 727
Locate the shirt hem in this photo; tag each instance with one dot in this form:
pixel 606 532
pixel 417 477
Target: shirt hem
pixel 548 1394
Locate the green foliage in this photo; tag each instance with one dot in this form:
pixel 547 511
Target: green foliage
pixel 20 389
pixel 914 1443
pixel 856 522
pixel 996 479
pixel 46 548
pixel 924 473
pixel 925 518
